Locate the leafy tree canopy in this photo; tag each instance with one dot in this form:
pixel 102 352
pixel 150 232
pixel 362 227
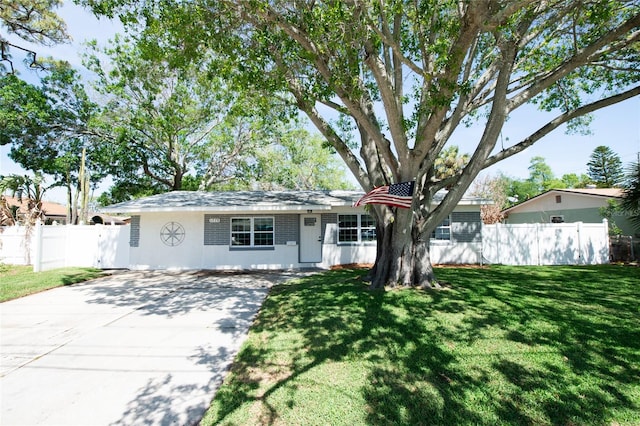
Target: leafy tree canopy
pixel 177 126
pixel 402 75
pixel 49 124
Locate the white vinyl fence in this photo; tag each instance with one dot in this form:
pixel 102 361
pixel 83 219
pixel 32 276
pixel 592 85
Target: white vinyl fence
pixel 50 247
pixel 546 244
pixel 107 246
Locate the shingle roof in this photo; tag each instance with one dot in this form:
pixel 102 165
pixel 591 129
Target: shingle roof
pixel 237 200
pixel 246 201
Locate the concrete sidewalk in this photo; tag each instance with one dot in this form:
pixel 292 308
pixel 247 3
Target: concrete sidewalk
pixel 132 348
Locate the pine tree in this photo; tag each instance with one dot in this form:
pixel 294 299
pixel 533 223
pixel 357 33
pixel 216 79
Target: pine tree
pixel 605 167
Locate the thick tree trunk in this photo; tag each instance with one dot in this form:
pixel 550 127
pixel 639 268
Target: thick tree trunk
pixel 403 256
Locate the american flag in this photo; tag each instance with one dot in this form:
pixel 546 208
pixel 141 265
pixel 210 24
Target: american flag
pixel 397 194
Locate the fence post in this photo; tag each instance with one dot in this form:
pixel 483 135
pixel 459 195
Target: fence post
pixel 579 232
pixel 607 240
pixel 538 255
pixel 497 238
pixel 37 247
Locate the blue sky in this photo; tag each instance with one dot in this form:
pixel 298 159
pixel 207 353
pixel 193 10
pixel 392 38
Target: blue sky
pixel 617 127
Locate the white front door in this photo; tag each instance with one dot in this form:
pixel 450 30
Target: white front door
pixel 310 238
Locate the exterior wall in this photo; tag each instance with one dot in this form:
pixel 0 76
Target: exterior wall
pixel 548 202
pixel 207 238
pixel 573 208
pixel 591 215
pixel 206 243
pixel 465 246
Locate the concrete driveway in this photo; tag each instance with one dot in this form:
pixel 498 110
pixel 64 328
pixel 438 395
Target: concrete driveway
pixel 131 348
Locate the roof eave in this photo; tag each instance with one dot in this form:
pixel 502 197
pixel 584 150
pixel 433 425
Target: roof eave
pixel 218 209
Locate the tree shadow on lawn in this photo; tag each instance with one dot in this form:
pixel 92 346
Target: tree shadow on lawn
pixel 578 330
pixel 505 345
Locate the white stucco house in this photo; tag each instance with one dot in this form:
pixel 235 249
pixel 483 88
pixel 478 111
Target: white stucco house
pixel 274 230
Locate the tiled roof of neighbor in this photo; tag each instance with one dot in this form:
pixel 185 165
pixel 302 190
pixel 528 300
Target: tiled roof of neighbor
pixel 245 200
pixel 605 192
pixel 50 209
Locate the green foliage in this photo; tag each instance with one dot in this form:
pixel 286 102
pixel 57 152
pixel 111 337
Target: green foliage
pixel 299 161
pixel 540 174
pixel 47 125
pixel 605 167
pixel 631 200
pixel 612 209
pixel 541 178
pixel 572 180
pixel 34 20
pixel 502 346
pixel 24 110
pixel 168 119
pixel 521 190
pixel 125 189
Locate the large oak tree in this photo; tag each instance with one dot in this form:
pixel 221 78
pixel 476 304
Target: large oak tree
pixel 403 75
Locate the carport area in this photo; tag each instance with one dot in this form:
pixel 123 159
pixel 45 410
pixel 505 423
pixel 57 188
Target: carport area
pixel 130 348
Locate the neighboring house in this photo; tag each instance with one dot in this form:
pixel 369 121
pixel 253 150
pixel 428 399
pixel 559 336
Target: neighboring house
pixel 568 205
pixel 274 230
pixel 53 212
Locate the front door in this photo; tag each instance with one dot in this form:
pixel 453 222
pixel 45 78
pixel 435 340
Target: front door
pixel 310 238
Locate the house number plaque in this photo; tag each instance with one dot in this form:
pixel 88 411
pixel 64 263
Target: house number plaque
pixel 172 234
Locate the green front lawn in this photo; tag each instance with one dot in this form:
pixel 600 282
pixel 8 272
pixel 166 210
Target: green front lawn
pixel 504 345
pixel 17 281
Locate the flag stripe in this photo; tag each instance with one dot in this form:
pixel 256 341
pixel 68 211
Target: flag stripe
pixel 398 195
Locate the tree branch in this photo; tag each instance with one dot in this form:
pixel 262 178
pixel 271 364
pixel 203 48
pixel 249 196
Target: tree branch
pixel 558 121
pixel 582 57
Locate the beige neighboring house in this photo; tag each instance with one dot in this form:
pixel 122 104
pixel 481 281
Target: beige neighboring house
pixel 568 206
pixel 53 212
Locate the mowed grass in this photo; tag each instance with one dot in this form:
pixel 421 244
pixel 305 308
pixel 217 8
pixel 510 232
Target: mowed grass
pixel 17 280
pixel 503 345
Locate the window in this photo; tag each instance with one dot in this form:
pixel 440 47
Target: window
pixel 558 199
pixel 252 231
pixel 557 219
pixel 356 228
pixel 367 228
pixel 443 231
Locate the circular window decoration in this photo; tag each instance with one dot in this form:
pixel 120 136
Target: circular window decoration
pixel 172 234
